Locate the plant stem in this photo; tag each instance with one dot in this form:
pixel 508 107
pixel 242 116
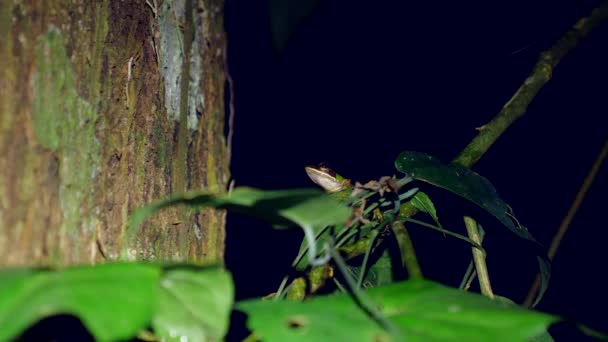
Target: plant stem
pixel 479 258
pixel 408 254
pixel 470 273
pixel 374 235
pixel 362 299
pixel 447 232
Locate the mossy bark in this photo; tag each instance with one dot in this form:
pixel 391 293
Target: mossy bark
pixel 89 129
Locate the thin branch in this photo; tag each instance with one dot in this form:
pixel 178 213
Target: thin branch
pixel 541 74
pixel 446 232
pixel 563 227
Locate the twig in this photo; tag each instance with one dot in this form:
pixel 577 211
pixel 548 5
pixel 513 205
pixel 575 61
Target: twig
pixel 479 257
pixel 471 273
pixel 468 278
pixel 522 49
pixel 563 227
pixel 446 232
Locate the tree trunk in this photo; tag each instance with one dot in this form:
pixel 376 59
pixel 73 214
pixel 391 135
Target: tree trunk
pixel 97 119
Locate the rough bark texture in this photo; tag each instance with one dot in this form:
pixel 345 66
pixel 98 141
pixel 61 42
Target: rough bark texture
pixel 95 121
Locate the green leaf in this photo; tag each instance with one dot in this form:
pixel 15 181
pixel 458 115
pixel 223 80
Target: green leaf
pixel 114 301
pixel 543 336
pixel 423 203
pixel 474 188
pixel 194 305
pixel 421 309
pixel 286 16
pixel 381 272
pixel 460 181
pixel 281 207
pixel 117 300
pixel 303 207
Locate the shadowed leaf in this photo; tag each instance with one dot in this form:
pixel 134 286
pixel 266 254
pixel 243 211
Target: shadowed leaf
pixel 422 310
pixel 476 189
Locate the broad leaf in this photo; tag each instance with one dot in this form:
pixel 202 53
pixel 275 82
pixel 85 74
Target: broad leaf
pixel 114 301
pixel 460 181
pixel 541 337
pixel 194 305
pixel 422 310
pixel 474 188
pixel 303 207
pixel 281 207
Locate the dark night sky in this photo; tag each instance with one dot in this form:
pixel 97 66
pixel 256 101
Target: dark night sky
pixel 362 81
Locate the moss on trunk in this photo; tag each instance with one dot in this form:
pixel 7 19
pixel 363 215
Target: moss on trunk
pixel 88 132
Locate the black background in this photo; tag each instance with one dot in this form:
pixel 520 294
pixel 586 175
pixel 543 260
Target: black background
pixel 361 81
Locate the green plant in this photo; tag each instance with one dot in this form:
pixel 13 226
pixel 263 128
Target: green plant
pixel 119 300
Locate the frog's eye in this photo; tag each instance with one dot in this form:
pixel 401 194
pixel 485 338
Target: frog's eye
pixel 324 167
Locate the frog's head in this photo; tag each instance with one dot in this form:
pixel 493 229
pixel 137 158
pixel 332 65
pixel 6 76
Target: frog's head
pixel 327 178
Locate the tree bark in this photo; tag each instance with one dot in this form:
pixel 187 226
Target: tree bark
pixel 100 115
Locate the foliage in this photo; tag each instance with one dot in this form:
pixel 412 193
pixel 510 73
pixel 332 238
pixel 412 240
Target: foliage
pixel 476 189
pixel 423 310
pixel 120 300
pixel 117 300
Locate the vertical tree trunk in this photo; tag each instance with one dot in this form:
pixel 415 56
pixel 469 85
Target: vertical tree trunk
pixel 100 115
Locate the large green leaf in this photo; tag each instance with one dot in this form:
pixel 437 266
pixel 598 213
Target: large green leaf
pixel 541 337
pixel 304 207
pixel 117 300
pixel 460 181
pixel 194 306
pixel 114 301
pixel 474 188
pixel 311 209
pixel 421 309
